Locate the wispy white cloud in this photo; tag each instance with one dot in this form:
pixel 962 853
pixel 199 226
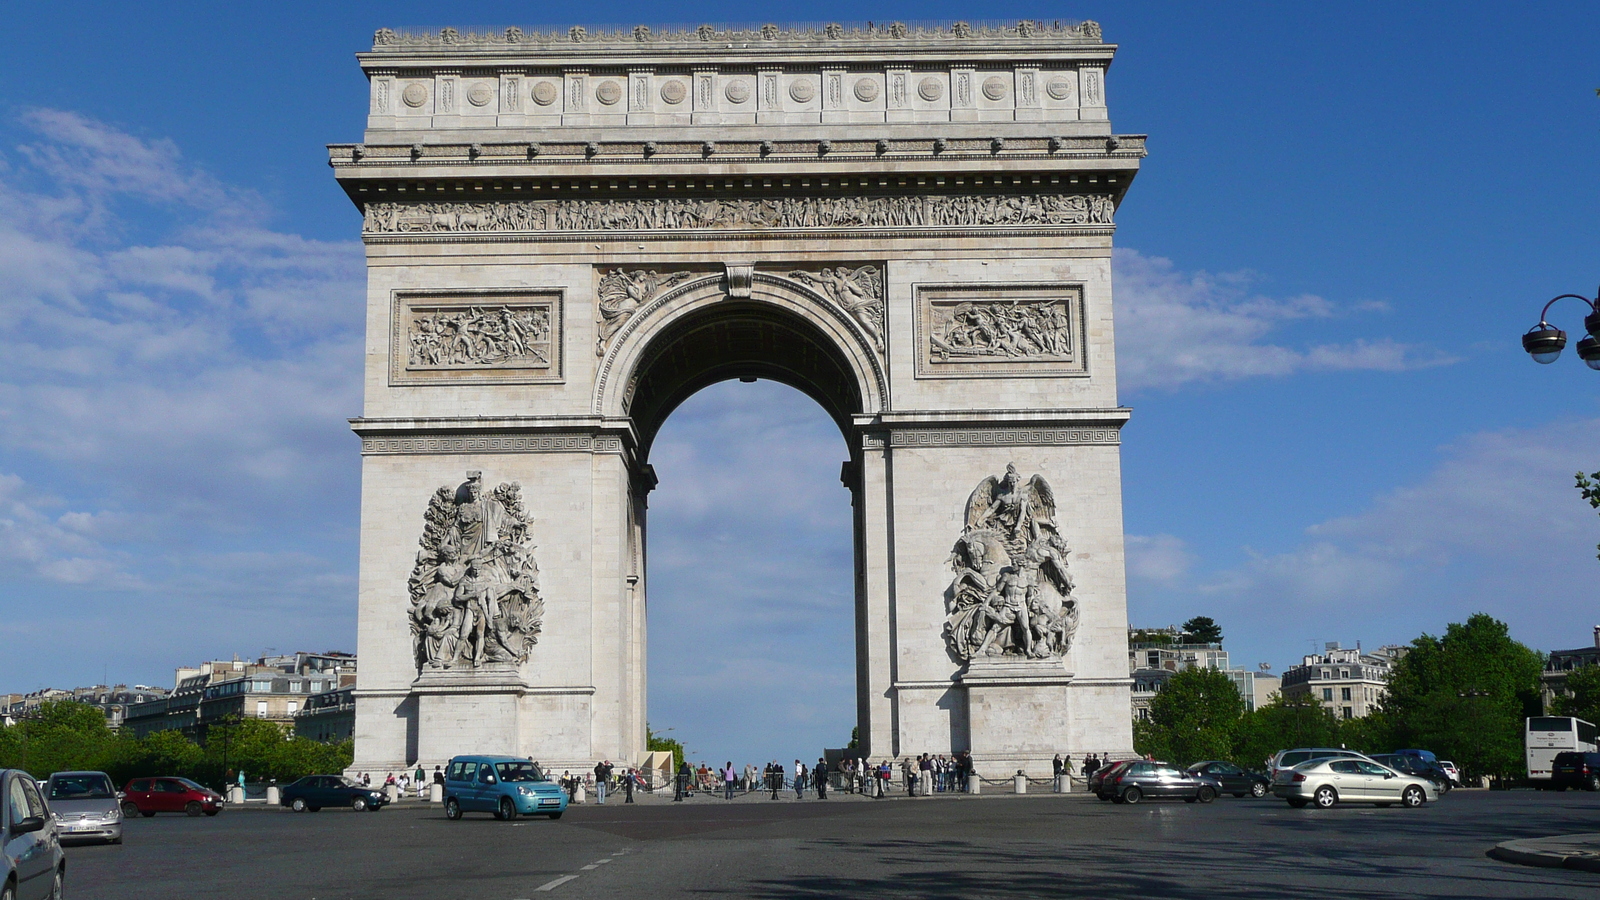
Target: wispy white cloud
pixel 1176 328
pixel 182 371
pixel 1495 527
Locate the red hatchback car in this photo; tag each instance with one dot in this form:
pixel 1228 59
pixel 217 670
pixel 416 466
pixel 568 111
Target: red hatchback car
pixel 148 796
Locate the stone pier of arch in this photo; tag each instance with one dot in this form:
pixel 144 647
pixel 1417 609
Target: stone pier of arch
pixel 569 233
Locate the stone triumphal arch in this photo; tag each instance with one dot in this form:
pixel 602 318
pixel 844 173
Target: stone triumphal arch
pixel 569 233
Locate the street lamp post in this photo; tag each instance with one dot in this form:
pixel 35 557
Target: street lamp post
pixel 1544 341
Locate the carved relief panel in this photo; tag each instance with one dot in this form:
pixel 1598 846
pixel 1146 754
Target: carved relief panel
pixel 1000 331
pixel 484 337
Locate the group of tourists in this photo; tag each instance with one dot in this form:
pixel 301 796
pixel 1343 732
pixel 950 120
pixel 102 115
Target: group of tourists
pixel 936 774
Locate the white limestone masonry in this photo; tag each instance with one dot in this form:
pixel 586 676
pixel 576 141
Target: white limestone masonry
pixel 568 232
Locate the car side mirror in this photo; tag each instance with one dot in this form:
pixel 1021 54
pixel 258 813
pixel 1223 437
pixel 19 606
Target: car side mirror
pixel 489 780
pixel 121 795
pixel 28 825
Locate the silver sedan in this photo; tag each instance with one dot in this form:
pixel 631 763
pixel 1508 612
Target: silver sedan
pixel 1329 782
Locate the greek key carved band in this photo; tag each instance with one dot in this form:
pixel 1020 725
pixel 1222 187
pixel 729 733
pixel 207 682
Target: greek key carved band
pixel 993 437
pixel 500 443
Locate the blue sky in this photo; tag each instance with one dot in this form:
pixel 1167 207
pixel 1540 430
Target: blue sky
pixel 1348 215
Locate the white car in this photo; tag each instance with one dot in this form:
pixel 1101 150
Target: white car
pixel 1329 782
pixel 1451 770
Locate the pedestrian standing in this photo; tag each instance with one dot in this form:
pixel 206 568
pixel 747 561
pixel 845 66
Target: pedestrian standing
pixel 820 775
pixel 682 781
pixel 729 776
pixel 775 778
pixel 438 776
pixel 600 783
pixel 627 781
pixel 799 780
pixel 1055 766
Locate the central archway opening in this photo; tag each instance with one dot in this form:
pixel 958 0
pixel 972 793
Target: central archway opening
pixel 751 607
pixel 742 409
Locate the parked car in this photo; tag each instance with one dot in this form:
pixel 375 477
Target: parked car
pixel 36 867
pixel 1452 770
pixel 503 785
pixel 1098 776
pixel 148 796
pixel 1419 754
pixel 1575 769
pixel 86 807
pixel 1158 781
pixel 1234 779
pixel 313 792
pixel 1288 759
pixel 1406 764
pixel 1329 782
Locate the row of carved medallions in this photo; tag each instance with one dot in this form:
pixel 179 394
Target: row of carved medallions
pixel 389 39
pixel 858 293
pixel 474 590
pixel 679 214
pixel 1011 595
pixel 575 91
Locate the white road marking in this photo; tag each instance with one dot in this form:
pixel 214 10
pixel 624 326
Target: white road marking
pixel 555 884
pixel 601 862
pixel 590 868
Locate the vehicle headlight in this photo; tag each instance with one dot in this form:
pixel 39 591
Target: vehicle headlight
pixel 526 789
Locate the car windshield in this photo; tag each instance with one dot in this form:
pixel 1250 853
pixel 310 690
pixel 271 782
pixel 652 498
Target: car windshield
pixel 516 771
pixel 350 782
pixel 80 787
pixel 192 786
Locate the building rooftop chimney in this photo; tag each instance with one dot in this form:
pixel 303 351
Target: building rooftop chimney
pixel 1597 635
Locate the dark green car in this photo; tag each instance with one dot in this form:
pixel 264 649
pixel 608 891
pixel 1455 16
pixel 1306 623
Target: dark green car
pixel 313 792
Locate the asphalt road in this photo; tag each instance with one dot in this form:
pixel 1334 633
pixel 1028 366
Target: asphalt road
pixel 1039 845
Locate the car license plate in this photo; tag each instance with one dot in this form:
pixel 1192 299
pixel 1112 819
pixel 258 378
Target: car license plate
pixel 550 802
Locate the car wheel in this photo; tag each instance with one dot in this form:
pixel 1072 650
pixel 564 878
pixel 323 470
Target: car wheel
pixel 130 809
pixel 507 811
pixel 115 840
pixel 359 804
pixel 1594 783
pixel 212 812
pixel 298 804
pixel 1206 795
pixel 1132 795
pixel 554 816
pixel 1258 790
pixel 1413 797
pixel 452 809
pixel 1297 803
pixel 58 889
pixel 147 814
pixel 193 809
pixel 1326 797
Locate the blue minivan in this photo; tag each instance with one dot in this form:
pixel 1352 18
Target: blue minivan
pixel 503 785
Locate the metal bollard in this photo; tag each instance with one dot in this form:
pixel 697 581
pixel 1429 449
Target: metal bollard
pixel 435 793
pixel 1019 782
pixel 273 797
pixel 973 784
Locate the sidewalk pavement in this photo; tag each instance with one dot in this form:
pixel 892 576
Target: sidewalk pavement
pixel 1567 851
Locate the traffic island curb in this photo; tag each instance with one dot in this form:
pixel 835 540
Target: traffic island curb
pixel 1568 851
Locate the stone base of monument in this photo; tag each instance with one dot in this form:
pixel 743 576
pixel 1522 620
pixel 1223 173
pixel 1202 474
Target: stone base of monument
pixel 465 710
pixel 1020 713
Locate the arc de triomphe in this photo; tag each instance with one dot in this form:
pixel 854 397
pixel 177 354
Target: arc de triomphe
pixel 569 233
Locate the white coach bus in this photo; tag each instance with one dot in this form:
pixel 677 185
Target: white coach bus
pixel 1548 735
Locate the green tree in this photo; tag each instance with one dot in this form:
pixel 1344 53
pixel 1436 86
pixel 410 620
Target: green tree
pixel 1192 718
pixel 1283 724
pixel 1464 696
pixel 653 741
pixel 61 735
pixel 1202 630
pixel 1589 488
pixel 1582 698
